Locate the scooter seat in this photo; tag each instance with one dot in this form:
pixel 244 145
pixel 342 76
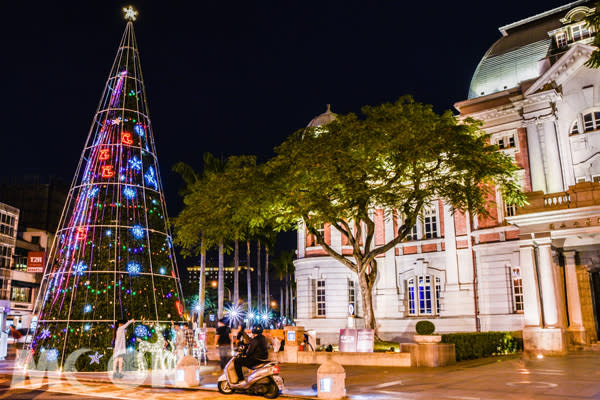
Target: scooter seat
pixel 262 364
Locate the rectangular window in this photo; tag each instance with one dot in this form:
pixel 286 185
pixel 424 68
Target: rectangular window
pixel 438 291
pixel 501 143
pixel 430 223
pixel 352 296
pixel 577 32
pixel 320 297
pixel 20 294
pixel 511 141
pixel 561 39
pixel 596 178
pixel 510 210
pixel 580 179
pixel 423 295
pixel 517 284
pixel 588 122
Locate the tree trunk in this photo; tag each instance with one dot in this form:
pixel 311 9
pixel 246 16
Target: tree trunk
pixel 248 276
pixel 201 284
pixel 236 273
pixel 221 282
pixel 258 278
pixel 267 293
pixel 287 293
pixel 281 301
pixel 365 283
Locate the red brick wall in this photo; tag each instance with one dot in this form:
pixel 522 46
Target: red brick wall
pixel 460 222
pixel 410 249
pixel 491 220
pixel 441 213
pixel 428 248
pixel 522 158
pixel 379 227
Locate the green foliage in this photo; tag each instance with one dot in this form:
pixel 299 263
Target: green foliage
pixel 593 21
pixel 383 346
pixel 471 345
pixel 425 327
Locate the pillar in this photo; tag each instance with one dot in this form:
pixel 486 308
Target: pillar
pixel 536 162
pixel 554 176
pixel 543 332
pixel 576 331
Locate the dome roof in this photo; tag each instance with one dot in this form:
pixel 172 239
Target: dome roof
pixel 516 57
pixel 322 119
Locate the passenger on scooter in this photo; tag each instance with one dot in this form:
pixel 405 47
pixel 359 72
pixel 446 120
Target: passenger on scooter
pixel 255 354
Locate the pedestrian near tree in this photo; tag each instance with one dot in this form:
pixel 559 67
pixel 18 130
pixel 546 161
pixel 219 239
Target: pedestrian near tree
pixel 224 342
pixel 189 339
pixel 119 349
pixel 180 341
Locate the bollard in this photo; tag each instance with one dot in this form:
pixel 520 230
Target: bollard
pixel 187 372
pixel 331 381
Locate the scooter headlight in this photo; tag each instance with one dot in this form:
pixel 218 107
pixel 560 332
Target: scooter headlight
pixel 275 369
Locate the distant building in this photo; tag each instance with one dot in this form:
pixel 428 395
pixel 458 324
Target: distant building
pixel 535 269
pixel 17 285
pixel 40 201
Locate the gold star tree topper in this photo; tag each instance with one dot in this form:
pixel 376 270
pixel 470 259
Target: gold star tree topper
pixel 130 13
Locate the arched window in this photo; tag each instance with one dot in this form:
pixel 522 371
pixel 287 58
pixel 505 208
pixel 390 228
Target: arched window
pixel 574 128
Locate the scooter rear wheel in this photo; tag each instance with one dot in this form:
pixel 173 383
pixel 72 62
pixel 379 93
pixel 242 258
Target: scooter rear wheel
pixel 272 390
pixel 224 387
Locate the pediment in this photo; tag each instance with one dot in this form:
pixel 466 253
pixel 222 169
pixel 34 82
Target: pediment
pixel 563 69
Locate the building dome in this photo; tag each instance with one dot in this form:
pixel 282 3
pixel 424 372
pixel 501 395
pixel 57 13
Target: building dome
pixel 519 54
pixel 322 119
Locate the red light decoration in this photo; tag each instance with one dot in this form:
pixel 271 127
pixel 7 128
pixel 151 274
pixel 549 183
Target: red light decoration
pixel 126 138
pixel 81 233
pixel 104 154
pixel 107 171
pixel 179 307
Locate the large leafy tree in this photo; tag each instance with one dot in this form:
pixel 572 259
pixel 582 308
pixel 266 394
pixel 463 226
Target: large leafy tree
pixel 397 157
pixel 593 21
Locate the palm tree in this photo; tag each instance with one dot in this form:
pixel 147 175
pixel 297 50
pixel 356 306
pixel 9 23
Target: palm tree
pixel 248 277
pixel 258 276
pixel 285 263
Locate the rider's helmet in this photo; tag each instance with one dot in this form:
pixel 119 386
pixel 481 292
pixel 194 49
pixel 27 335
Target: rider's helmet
pixel 257 330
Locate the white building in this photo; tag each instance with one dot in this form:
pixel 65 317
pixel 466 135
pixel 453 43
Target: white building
pixel 535 269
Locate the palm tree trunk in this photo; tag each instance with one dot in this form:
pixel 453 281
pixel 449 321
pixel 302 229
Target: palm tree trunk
pixel 267 293
pixel 248 276
pixel 201 284
pixel 281 301
pixel 287 292
pixel 221 282
pixel 236 274
pixel 258 277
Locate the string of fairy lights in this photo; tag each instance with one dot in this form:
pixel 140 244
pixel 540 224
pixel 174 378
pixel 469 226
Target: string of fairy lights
pixel 112 257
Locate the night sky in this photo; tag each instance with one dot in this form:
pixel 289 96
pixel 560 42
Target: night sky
pixel 230 77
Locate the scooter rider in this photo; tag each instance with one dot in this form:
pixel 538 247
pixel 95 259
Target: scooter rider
pixel 256 353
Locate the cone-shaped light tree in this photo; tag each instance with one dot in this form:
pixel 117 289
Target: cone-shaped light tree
pixel 112 258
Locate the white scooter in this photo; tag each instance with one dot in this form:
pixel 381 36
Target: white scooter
pixel 263 379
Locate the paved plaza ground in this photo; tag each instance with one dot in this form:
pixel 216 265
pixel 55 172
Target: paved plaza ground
pixel 576 376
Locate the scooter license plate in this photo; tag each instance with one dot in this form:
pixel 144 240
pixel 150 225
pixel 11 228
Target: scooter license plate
pixel 279 381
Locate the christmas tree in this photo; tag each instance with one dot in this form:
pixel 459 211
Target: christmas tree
pixel 112 258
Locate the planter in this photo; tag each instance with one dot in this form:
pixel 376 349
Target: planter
pixel 424 339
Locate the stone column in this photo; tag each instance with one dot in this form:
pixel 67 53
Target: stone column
pixel 548 287
pixel 576 331
pixel 536 162
pixel 554 178
pixel 531 297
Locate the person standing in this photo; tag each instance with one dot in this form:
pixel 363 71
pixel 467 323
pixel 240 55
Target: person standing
pixel 189 339
pixel 179 342
pixel 119 350
pixel 224 342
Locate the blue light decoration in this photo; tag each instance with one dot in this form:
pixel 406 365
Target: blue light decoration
pixel 108 232
pixel 129 192
pixel 151 178
pixel 52 355
pixel 137 231
pixel 87 327
pixel 135 164
pixel 80 268
pixel 87 308
pixel 162 270
pixel 134 268
pixel 92 192
pixel 45 333
pixel 139 129
pixel 141 331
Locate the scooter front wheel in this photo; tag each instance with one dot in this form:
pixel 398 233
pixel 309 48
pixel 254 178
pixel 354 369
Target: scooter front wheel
pixel 224 387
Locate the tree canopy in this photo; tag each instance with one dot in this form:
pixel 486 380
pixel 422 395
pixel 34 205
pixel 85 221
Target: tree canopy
pixel 593 21
pixel 397 157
